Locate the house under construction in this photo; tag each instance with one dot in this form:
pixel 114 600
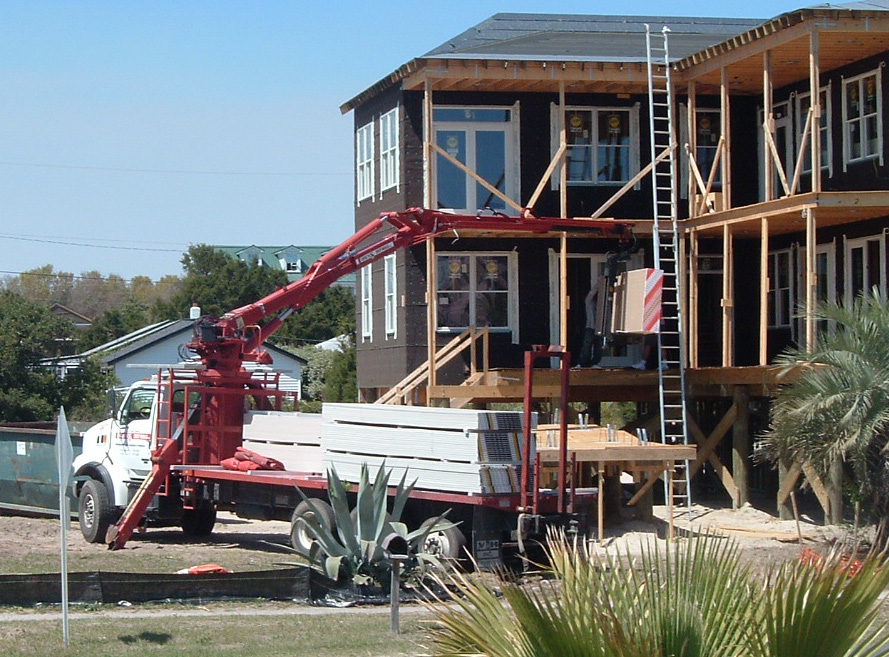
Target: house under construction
pixel 753 197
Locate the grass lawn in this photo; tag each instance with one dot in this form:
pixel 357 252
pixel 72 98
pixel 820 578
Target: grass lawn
pixel 339 633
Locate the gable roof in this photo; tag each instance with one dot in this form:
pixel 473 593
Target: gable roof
pixel 510 37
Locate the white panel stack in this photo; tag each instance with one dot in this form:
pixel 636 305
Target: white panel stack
pixel 292 438
pixel 452 450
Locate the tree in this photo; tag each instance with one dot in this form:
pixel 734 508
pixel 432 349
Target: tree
pixel 113 324
pixel 218 283
pixel 341 382
pixel 29 391
pixel 838 408
pixel 330 314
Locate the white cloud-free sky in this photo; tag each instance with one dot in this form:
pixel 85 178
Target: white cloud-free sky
pixel 130 130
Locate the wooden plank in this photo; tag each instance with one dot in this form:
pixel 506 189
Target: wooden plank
pixel 768 122
pixel 631 183
pixel 707 444
pixel 815 98
pixel 431 268
pixel 472 174
pixel 428 444
pixel 726 133
pixel 727 303
pixel 790 479
pixel 764 292
pixel 818 487
pixel 619 453
pixel 557 159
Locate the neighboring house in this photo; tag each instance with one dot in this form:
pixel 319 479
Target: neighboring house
pixel 139 355
pixel 295 260
pixel 782 187
pixel 81 323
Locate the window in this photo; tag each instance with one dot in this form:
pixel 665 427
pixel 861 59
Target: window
pixel 603 144
pixel 366 304
pixel 364 166
pixel 862 118
pixel 389 150
pixel 476 290
pixel 293 267
pixel 708 131
pixel 485 141
pixel 780 294
pixel 865 265
pixel 803 102
pixel 390 299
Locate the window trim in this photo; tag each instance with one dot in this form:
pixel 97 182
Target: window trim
pixel 367 304
pixel 390 299
pixel 783 316
pixel 512 291
pixel 826 134
pixel 847 143
pixel 861 242
pixel 389 157
pixel 364 167
pixel 556 122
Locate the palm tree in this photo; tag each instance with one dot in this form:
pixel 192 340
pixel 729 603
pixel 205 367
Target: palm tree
pixel 838 407
pixel 694 600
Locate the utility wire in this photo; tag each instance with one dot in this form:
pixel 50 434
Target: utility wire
pixel 90 246
pixel 175 171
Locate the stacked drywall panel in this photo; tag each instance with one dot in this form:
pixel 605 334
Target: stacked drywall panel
pixel 292 438
pixel 451 450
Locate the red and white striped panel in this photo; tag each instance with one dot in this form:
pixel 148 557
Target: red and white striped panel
pixel 651 312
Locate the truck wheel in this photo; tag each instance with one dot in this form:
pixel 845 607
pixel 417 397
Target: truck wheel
pixel 444 544
pixel 300 537
pixel 95 511
pixel 198 522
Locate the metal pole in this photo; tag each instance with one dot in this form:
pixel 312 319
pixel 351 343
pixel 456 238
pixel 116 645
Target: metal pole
pixel 394 595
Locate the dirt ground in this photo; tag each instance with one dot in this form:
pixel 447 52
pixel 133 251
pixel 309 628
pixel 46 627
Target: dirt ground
pixel 32 544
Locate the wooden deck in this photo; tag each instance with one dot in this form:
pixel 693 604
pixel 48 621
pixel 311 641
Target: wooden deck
pixel 609 384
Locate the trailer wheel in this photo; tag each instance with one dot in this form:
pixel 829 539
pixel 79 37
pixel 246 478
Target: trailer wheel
pixel 445 544
pixel 198 522
pixel 94 509
pixel 300 537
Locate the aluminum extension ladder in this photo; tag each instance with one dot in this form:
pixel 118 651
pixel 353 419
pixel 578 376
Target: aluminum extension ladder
pixel 671 345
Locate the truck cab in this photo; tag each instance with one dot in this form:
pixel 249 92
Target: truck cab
pixel 116 458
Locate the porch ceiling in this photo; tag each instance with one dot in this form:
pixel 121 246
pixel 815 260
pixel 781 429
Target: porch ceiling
pixel 786 215
pixel 844 37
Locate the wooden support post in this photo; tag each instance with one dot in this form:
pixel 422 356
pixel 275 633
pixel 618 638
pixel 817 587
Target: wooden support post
pixel 600 502
pixel 563 139
pixel 671 534
pixel 787 479
pixel 768 125
pixel 726 133
pixel 764 291
pixel 431 270
pixel 682 282
pixel 835 492
pixel 815 99
pixel 810 279
pixel 692 146
pixel 727 296
pixel 645 503
pixel 693 300
pixel 741 446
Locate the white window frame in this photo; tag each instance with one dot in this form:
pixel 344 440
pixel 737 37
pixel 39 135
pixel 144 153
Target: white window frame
pixel 367 325
pixel 823 294
pixel 861 243
pixel 364 162
pixel 389 140
pixel 633 146
pixel 512 291
pixel 512 144
pixel 860 119
pixel 780 315
pixel 390 298
pixel 826 134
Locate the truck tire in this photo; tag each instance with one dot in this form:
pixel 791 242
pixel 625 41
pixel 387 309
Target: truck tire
pixel 300 537
pixel 444 544
pixel 94 510
pixel 198 522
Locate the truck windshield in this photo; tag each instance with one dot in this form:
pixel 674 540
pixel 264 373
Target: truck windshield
pixel 137 406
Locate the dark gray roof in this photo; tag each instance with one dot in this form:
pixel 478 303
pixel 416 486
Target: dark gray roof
pixel 569 37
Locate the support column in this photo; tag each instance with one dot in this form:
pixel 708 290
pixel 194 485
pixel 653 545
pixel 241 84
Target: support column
pixel 764 291
pixel 563 291
pixel 693 146
pixel 727 296
pixel 785 508
pixel 814 76
pixel 431 270
pixel 726 129
pixel 693 300
pixel 810 278
pixel 768 126
pixel 563 170
pixel 741 446
pixel 835 492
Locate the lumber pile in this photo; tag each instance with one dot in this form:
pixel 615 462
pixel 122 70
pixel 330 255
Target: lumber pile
pixel 451 450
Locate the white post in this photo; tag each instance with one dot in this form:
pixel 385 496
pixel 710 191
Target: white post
pixel 64 457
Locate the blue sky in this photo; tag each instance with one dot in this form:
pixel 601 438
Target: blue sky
pixel 130 130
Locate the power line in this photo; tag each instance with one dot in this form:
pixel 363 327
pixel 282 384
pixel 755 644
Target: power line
pixel 83 239
pixel 89 246
pixel 178 171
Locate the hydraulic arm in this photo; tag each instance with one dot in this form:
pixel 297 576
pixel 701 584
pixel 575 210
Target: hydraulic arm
pixel 225 343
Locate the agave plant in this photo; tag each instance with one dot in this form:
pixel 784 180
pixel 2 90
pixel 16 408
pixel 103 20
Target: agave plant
pixel 694 600
pixel 351 547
